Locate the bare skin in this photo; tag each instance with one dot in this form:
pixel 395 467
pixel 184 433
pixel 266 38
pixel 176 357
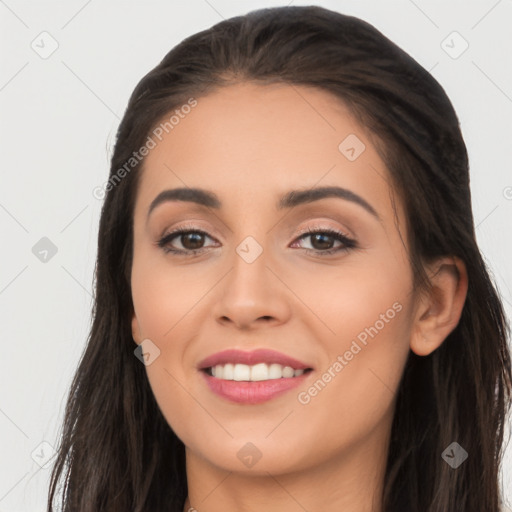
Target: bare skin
pixel 325 451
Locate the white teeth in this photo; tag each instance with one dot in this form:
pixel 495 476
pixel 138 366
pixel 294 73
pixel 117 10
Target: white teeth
pixel 218 371
pixel 228 371
pixel 242 372
pixel 257 372
pixel 287 372
pixel 275 371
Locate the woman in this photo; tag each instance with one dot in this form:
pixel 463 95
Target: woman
pixel 291 309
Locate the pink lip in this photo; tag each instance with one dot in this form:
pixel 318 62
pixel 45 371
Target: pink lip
pixel 251 358
pixel 245 392
pixel 252 392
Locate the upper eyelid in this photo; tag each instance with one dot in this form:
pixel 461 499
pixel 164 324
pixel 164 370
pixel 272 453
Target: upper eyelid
pixel 317 228
pixel 186 228
pixel 306 230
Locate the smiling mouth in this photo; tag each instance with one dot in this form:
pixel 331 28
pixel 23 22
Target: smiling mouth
pixel 254 373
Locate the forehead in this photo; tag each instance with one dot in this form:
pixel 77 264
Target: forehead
pixel 251 142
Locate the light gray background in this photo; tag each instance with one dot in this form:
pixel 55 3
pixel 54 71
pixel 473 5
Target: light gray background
pixel 58 120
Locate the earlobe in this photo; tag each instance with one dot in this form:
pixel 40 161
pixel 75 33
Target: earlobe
pixel 438 313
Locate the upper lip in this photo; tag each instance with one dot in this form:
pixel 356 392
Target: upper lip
pixel 251 358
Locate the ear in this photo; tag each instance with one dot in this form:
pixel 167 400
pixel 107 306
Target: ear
pixel 438 312
pixel 136 330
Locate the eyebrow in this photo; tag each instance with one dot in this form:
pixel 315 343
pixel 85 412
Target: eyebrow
pixel 289 200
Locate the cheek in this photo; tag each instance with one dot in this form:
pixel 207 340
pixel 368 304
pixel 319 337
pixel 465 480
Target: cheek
pixel 355 297
pixel 164 295
pixel 352 398
pixel 166 303
pixel 362 320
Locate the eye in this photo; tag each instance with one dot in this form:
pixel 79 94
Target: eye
pixel 188 241
pixel 323 241
pixel 184 241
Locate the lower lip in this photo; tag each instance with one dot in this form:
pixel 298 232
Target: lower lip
pixel 245 392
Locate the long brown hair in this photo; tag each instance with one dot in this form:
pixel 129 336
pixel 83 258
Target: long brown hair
pixel 117 452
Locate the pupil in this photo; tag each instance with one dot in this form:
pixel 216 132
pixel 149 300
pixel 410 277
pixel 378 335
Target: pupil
pixel 325 242
pixel 196 240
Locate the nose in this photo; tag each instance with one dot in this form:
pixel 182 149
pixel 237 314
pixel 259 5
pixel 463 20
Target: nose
pixel 251 296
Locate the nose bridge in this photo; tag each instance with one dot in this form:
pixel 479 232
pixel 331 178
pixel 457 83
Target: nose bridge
pixel 248 280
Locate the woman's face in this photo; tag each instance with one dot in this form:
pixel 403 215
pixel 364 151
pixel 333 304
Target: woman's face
pixel 259 279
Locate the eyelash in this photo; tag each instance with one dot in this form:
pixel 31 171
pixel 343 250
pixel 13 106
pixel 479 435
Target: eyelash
pixel 348 243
